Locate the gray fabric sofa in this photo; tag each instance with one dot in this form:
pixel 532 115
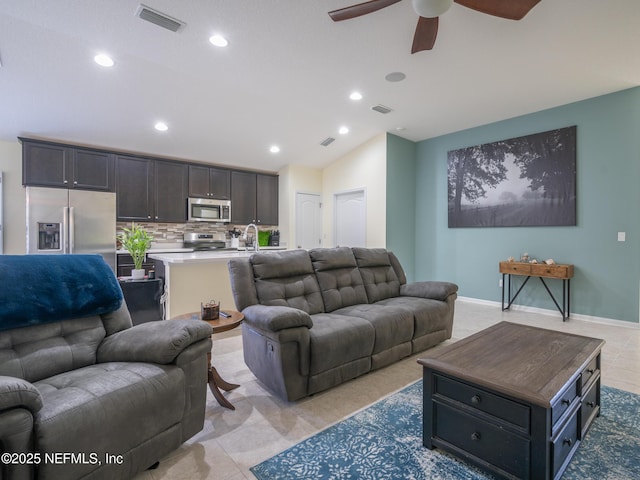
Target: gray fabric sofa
pixel 90 396
pixel 315 319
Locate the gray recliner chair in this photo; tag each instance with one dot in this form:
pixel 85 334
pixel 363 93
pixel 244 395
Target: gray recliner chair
pixel 83 394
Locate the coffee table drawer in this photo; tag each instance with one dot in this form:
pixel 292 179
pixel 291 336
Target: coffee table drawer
pixel 590 407
pixel 564 443
pixel 500 407
pixel 563 402
pixel 505 450
pixel 589 372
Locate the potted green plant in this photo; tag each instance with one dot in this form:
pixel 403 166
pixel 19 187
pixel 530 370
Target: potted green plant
pixel 136 240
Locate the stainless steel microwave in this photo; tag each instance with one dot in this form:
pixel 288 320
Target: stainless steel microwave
pixel 208 210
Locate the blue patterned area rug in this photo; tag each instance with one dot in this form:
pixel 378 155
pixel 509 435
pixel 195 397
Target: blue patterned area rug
pixel 384 441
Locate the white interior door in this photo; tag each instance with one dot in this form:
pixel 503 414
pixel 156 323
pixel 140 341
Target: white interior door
pixel 350 219
pixel 308 221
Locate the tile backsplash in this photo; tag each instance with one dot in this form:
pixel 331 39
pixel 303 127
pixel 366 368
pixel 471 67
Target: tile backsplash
pixel 174 232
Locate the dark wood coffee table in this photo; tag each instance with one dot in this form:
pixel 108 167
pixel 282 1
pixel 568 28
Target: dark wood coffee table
pixel 221 324
pixel 512 399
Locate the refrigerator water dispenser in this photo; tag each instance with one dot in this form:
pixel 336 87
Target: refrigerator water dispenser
pixel 48 236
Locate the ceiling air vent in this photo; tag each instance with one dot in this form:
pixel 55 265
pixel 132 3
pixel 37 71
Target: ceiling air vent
pixel 159 18
pixel 381 109
pixel 327 141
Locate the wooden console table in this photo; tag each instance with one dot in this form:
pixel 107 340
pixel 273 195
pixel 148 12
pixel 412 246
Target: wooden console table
pixel 542 271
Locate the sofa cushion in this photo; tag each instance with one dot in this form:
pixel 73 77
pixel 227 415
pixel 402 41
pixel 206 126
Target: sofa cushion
pixel 40 351
pixel 338 276
pixel 336 340
pixel 380 279
pixel 114 407
pixel 429 315
pixel 287 279
pixel 393 325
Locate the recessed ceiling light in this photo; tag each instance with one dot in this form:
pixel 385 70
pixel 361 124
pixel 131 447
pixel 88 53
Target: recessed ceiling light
pixel 161 127
pixel 103 60
pixel 274 149
pixel 355 96
pixel 343 130
pixel 395 77
pixel 218 40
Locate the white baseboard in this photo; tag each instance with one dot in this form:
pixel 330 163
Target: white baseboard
pixel 544 311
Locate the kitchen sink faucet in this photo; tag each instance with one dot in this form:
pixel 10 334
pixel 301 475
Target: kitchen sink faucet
pixel 255 240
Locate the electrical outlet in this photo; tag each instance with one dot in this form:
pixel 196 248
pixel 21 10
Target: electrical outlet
pixel 500 283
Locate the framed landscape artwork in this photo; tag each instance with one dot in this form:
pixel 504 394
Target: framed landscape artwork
pixel 524 181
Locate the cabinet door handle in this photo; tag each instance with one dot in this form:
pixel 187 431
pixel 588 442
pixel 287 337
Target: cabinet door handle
pixel 591 404
pixel 475 399
pixel 475 436
pixel 567 441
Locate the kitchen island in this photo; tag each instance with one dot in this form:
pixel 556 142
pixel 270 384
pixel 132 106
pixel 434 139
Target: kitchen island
pixel 192 278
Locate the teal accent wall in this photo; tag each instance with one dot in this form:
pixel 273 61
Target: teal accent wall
pixel 607 276
pixel 401 201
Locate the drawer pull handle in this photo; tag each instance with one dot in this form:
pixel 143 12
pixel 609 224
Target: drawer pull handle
pixel 475 399
pixel 567 441
pixel 590 371
pixel 475 436
pixel 566 402
pixel 591 404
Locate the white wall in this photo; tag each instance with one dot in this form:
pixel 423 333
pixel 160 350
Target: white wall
pixel 363 168
pixel 14 201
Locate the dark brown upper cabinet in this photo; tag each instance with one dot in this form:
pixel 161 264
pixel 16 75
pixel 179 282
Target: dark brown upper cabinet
pixel 151 190
pixel 54 165
pixel 209 182
pixel 254 198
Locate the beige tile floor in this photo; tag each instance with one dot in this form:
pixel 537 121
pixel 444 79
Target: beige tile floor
pixel 262 425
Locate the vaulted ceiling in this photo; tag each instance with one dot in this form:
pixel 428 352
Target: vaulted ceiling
pixel 287 73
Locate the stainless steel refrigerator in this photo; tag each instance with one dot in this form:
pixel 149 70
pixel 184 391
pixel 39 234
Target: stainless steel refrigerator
pixel 61 221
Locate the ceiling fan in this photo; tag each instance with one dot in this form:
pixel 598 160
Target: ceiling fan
pixel 429 11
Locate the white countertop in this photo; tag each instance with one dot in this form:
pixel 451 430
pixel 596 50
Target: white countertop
pixel 206 256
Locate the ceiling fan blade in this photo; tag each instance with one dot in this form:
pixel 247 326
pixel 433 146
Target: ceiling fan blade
pixel 425 36
pixel 360 9
pixel 510 9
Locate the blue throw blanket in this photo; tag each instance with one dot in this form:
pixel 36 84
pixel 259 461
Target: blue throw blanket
pixel 38 289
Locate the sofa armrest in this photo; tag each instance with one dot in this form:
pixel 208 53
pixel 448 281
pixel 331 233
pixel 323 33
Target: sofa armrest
pixel 18 393
pixel 154 342
pixel 432 290
pixel 275 318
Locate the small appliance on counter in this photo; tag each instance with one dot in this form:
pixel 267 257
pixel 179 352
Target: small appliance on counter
pixel 203 241
pixel 274 238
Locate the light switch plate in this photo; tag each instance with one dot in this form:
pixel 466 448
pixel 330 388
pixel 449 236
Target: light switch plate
pixel 622 236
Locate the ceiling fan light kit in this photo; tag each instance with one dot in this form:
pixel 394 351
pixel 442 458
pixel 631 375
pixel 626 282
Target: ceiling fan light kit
pixel 431 8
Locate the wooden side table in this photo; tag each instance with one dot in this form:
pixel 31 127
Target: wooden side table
pixel 221 324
